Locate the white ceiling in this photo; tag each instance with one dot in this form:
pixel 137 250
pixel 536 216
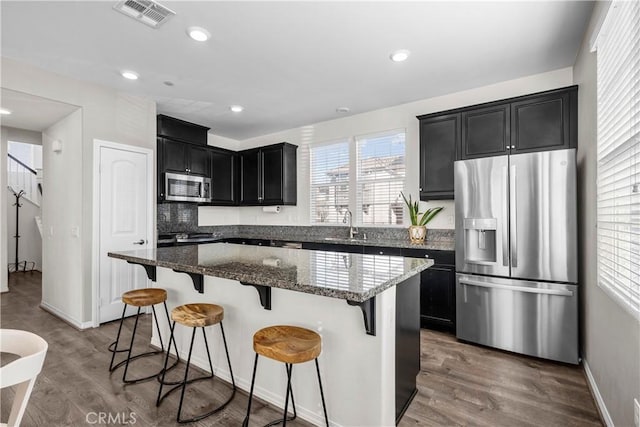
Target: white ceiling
pixel 293 63
pixel 31 112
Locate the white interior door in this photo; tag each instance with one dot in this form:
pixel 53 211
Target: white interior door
pixel 124 216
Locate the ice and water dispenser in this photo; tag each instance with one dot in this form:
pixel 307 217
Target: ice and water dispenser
pixel 480 240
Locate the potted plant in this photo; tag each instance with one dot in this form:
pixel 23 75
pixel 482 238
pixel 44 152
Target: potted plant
pixel 418 228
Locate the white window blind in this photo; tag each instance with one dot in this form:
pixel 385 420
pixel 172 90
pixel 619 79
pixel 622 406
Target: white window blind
pixel 618 148
pixel 380 178
pixel 329 164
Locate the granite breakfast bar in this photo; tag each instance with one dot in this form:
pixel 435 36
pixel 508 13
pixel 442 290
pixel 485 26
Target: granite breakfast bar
pixel 365 307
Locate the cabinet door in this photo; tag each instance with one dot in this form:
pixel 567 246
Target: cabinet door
pixel 174 156
pixel 543 122
pixel 437 297
pixel 485 132
pixel 439 139
pixel 223 177
pixel 198 160
pixel 250 193
pixel 272 166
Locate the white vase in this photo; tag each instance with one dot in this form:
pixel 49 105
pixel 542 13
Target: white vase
pixel 417 233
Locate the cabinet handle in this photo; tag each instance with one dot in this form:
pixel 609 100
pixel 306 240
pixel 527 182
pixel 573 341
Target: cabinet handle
pixel 381 253
pixel 426 256
pixel 513 146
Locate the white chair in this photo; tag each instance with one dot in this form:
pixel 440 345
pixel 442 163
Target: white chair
pixel 23 371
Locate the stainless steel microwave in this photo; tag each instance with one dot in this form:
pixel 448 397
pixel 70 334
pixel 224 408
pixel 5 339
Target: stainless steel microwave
pixel 187 188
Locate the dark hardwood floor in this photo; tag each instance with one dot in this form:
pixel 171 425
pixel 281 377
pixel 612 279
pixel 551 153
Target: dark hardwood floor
pixel 459 384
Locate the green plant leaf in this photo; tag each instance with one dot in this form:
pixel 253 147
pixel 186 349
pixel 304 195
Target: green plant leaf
pixel 429 214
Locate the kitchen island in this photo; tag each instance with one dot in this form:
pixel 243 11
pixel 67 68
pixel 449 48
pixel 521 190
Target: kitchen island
pixel 365 307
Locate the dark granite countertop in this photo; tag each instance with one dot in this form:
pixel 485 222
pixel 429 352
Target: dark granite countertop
pixel 355 277
pixel 444 245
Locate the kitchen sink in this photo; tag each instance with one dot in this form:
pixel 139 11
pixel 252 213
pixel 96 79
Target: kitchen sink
pixel 343 239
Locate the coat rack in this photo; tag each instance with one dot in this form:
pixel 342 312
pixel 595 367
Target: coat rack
pixel 19 265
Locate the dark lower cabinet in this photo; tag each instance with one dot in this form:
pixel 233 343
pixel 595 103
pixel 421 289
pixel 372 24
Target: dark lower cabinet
pixel 437 298
pixel 439 141
pixel 437 289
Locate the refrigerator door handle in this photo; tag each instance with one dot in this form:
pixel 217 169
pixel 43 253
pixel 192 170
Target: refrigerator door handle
pixel 505 218
pixel 559 292
pixel 513 217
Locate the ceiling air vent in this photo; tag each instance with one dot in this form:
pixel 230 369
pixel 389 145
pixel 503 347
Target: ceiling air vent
pixel 146 11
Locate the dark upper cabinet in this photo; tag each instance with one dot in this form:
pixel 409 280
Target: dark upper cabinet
pixel 485 131
pixel 224 177
pixel 439 141
pixel 545 122
pixel 250 177
pixel 538 122
pixel 268 175
pixel 179 130
pixel 184 158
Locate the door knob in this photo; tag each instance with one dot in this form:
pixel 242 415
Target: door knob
pixel 140 242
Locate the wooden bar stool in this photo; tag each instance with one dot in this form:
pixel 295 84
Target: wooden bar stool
pixel 290 345
pixel 195 316
pixel 140 298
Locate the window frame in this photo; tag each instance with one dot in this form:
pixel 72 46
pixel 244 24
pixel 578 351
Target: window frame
pixel 353 182
pixel 610 149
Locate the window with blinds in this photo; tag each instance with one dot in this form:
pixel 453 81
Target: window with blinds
pixel 329 164
pixel 380 178
pixel 618 152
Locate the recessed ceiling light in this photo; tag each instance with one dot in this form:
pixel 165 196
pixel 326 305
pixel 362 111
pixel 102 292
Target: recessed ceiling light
pixel 198 34
pixel 4 111
pixel 399 55
pixel 236 108
pixel 343 110
pixel 130 75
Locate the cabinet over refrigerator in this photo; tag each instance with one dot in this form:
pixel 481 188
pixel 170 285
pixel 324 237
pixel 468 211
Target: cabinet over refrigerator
pixel 516 253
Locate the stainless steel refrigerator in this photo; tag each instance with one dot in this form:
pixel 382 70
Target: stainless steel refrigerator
pixel 516 253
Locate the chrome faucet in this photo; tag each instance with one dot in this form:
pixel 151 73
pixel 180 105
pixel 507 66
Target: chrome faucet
pixel 348 219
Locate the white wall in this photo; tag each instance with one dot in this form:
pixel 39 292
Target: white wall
pixel 4 284
pixel 107 115
pixel 401 116
pixel 610 335
pixel 62 218
pixel 24 135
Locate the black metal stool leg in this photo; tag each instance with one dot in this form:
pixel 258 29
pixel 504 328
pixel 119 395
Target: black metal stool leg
pixel 115 343
pixel 286 399
pixel 133 335
pixel 166 361
pixel 324 406
pixel 186 375
pixel 226 350
pixel 245 423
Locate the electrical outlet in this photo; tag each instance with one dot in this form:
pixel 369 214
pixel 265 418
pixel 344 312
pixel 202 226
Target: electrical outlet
pixel 636 412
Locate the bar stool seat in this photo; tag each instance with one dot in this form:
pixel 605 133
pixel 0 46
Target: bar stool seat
pixel 290 345
pixel 139 298
pixel 287 344
pixel 199 315
pixel 144 297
